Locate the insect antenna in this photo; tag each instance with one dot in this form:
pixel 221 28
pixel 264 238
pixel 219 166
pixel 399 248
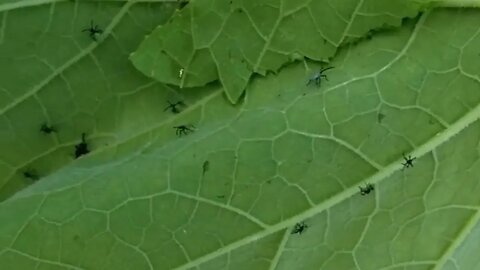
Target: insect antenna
pixel 325 69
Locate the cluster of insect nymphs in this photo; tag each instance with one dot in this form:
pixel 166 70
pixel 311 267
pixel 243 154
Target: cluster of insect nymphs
pixel 93 31
pixel 80 149
pixel 182 4
pixel 299 228
pixel 318 76
pixel 369 187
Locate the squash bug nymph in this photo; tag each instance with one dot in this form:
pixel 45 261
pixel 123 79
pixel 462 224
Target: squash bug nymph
pixel 367 189
pixel 47 129
pixel 93 31
pixel 174 106
pixel 318 76
pixel 31 174
pixel 408 161
pixel 183 129
pixel 299 228
pixel 81 148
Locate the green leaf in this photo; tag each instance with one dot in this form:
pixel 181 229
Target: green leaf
pixel 288 153
pixel 53 73
pixel 231 40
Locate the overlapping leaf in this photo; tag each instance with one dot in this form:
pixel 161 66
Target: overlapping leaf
pixel 231 40
pixel 290 153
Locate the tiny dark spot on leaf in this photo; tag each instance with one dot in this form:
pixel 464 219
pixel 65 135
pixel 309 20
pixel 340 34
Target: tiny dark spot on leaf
pixel 206 166
pixel 31 174
pixel 182 4
pixel 221 196
pixel 299 228
pixel 47 129
pixel 380 117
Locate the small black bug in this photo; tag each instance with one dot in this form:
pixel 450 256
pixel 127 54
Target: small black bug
pixel 206 166
pixel 173 106
pixel 81 148
pixel 47 129
pixel 408 161
pixel 183 129
pixel 31 174
pixel 367 189
pixel 317 77
pixel 299 228
pixel 93 31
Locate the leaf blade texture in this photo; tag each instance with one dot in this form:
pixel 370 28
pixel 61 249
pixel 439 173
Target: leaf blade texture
pixel 288 153
pixel 230 41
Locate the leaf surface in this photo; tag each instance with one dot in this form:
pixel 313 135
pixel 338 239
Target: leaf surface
pixel 53 73
pixel 229 41
pixel 289 153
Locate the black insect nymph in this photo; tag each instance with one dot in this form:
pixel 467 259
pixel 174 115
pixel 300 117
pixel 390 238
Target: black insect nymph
pixel 183 129
pixel 318 76
pixel 47 129
pixel 408 161
pixel 93 31
pixel 299 228
pixel 367 189
pixel 81 148
pixel 174 106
